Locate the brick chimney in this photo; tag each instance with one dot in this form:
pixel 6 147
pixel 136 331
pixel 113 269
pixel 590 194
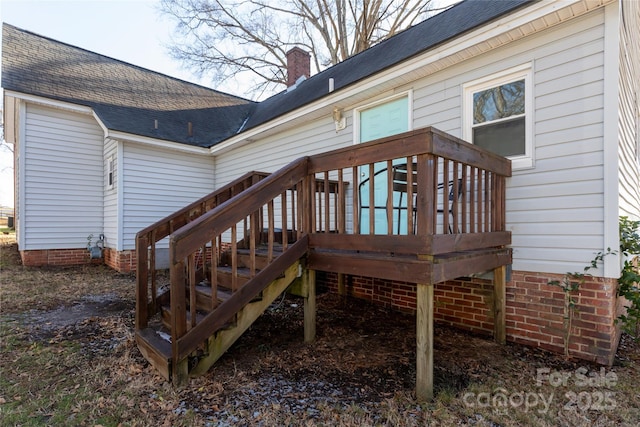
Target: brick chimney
pixel 298 64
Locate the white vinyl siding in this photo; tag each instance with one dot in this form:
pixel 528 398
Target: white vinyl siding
pixel 17 126
pixel 629 112
pixel 555 210
pixel 270 154
pixel 157 183
pixel 63 182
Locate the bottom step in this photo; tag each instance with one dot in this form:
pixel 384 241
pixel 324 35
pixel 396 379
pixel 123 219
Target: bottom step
pixel 156 350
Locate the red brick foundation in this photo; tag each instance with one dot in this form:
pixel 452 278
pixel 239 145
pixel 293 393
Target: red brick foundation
pixel 60 257
pixel 123 261
pixel 535 312
pixel 534 309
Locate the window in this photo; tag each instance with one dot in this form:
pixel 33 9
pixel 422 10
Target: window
pixel 110 173
pixel 498 115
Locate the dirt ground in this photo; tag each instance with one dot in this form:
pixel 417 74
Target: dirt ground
pixel 70 358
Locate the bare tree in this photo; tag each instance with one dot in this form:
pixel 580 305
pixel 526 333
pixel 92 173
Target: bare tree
pixel 6 153
pixel 225 38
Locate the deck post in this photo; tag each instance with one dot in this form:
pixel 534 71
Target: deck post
pixel 180 368
pixel 499 304
pixel 424 342
pixel 309 278
pixel 142 282
pixel 342 288
pixel 180 373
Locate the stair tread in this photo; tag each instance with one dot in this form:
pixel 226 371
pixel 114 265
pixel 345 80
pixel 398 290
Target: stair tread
pixel 242 271
pixel 261 251
pixel 199 316
pixel 222 293
pixel 161 346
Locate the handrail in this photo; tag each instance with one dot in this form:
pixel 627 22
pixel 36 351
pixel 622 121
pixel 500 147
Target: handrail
pixel 427 140
pixel 226 310
pixel 245 208
pixel 438 158
pixel 193 235
pixel 150 235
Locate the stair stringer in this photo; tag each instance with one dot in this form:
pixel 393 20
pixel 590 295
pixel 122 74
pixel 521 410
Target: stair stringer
pixel 222 340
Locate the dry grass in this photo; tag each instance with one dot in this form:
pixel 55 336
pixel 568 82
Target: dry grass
pixel 28 288
pixel 68 357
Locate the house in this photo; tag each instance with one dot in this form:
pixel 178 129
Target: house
pixel 104 148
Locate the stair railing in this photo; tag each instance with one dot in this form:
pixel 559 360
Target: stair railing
pixel 278 201
pixel 147 239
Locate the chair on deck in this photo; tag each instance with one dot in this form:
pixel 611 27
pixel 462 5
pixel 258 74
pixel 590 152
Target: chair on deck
pixel 400 185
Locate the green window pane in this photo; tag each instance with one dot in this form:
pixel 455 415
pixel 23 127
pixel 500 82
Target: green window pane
pixel 499 102
pixel 505 138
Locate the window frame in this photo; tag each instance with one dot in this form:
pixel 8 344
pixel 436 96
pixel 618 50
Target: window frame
pixel 111 172
pixel 521 72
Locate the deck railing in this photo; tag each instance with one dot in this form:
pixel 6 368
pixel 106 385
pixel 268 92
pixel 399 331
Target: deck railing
pixel 432 194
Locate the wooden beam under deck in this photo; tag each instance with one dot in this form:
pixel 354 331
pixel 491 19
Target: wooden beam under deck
pixel 409 268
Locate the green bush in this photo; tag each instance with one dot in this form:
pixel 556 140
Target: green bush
pixel 629 279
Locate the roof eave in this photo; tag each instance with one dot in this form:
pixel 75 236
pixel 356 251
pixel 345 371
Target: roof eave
pixel 157 143
pixel 108 133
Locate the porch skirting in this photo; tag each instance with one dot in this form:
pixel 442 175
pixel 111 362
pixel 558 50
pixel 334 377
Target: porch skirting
pixel 534 309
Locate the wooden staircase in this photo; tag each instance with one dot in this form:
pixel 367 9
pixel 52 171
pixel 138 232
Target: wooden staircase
pixel 154 341
pixel 319 201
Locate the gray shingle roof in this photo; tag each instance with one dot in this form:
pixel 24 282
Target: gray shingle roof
pixel 129 98
pixel 125 97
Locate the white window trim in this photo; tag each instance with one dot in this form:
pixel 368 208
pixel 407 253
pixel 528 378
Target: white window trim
pixel 520 72
pixel 111 172
pixel 356 111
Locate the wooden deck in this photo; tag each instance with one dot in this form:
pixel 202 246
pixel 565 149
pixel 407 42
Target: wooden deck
pixel 380 209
